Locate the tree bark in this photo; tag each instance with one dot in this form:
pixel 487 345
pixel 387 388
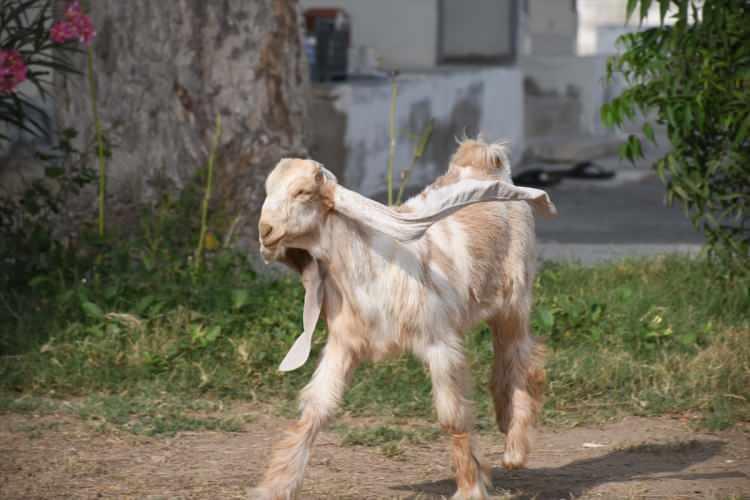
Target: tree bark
pixel 163 72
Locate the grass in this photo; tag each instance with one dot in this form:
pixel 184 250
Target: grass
pixel 141 335
pixel 388 438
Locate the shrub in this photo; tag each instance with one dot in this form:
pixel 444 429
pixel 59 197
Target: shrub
pixel 27 53
pixel 694 78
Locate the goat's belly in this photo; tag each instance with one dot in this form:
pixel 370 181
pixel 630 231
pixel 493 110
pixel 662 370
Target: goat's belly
pixel 410 324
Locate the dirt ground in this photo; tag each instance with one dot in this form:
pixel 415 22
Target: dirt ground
pixel 60 456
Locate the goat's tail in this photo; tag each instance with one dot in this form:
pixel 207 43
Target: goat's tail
pixel 516 383
pixel 477 153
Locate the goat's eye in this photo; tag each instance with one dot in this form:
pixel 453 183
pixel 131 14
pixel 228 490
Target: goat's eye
pixel 302 193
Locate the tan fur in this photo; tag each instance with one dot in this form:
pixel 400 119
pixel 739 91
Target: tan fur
pixel 450 177
pixel 471 473
pixel 327 193
pixel 516 384
pixel 488 231
pixel 379 295
pixel 478 153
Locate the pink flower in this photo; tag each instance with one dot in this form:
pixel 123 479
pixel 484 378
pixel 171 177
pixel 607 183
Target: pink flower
pixel 73 10
pixel 76 25
pixel 84 29
pixel 12 70
pixel 62 31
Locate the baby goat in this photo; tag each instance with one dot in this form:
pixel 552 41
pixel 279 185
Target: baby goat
pixel 416 278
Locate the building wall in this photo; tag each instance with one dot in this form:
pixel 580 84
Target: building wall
pixel 552 26
pixel 601 22
pixel 349 128
pixel 578 80
pixel 472 28
pixel 403 33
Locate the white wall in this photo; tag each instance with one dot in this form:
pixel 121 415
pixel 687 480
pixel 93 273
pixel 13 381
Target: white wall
pixel 475 100
pixel 584 75
pixel 552 26
pixel 477 28
pixel 403 33
pixel 602 21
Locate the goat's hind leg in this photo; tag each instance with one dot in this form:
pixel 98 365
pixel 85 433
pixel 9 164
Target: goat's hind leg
pixel 516 384
pixel 319 401
pixel 450 385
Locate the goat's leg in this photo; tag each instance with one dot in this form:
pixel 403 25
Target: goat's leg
pixel 516 384
pixel 319 401
pixel 450 385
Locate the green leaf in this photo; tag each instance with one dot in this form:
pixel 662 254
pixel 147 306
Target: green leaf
pixel 605 115
pixel 212 333
pixel 547 318
pixel 54 172
pixel 645 5
pixel 240 297
pixel 92 310
pixel 631 8
pixel 688 338
pixel 663 8
pixel 648 131
pixel 743 132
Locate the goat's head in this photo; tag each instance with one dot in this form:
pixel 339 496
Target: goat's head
pixel 298 196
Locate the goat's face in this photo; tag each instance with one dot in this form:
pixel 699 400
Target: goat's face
pixel 296 202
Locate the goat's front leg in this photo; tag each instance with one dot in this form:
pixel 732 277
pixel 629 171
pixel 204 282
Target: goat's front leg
pixel 450 385
pixel 319 401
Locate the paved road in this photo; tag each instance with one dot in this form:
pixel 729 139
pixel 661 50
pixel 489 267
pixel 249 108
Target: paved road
pixel 625 216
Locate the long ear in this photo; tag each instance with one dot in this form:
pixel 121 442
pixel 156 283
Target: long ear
pixel 300 350
pixel 409 226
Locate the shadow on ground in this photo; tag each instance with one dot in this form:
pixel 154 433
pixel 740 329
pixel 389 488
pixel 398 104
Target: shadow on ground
pixel 650 462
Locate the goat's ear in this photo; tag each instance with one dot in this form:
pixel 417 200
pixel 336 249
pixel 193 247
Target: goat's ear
pixel 327 183
pixel 411 226
pixel 323 175
pixel 300 351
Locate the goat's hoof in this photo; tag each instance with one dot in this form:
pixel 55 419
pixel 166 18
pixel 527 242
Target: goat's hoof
pixel 512 461
pixel 262 493
pixel 478 492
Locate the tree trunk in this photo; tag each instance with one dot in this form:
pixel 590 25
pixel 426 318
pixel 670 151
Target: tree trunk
pixel 163 72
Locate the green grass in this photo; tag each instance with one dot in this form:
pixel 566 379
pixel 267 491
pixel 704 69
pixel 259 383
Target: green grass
pixel 388 438
pixel 141 335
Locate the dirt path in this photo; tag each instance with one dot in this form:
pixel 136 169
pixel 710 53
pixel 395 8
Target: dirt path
pixel 55 456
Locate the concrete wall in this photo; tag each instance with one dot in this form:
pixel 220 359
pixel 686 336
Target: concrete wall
pixel 579 79
pixel 403 33
pixel 473 28
pixel 600 22
pixel 552 26
pixel 349 129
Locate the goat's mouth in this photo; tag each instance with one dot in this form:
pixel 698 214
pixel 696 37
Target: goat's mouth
pixel 272 242
pixel 271 249
pixel 272 254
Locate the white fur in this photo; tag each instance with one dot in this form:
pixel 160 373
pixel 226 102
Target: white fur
pixel 384 297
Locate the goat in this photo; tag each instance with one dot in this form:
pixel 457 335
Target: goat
pixel 412 278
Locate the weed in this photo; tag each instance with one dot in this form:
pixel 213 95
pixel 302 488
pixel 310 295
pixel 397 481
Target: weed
pixel 36 430
pixel 389 439
pixel 26 404
pixel 153 415
pixel 148 334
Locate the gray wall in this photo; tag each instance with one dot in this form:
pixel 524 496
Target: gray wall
pixel 403 33
pixel 477 28
pixel 350 122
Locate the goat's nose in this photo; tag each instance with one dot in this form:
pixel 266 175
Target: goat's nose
pixel 265 229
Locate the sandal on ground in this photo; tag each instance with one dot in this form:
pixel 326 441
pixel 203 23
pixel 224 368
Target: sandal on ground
pixel 588 170
pixel 537 177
